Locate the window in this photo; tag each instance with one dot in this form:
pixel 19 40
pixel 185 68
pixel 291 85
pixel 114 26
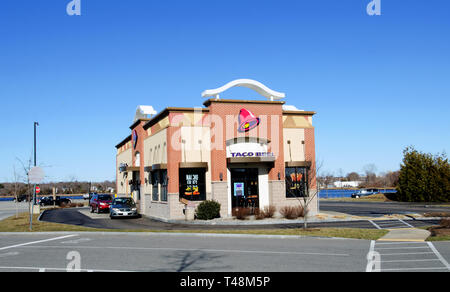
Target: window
pixel 164 182
pixel 155 182
pixel 192 184
pixel 296 182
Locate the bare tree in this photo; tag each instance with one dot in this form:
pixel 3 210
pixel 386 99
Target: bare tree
pixel 310 189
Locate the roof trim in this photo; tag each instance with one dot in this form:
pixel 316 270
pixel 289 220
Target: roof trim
pixel 124 141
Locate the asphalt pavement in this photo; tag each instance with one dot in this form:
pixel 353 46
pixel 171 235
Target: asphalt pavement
pixel 379 209
pixel 8 209
pixel 75 217
pixel 162 252
pixel 180 253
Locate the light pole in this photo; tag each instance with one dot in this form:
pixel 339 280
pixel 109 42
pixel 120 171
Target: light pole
pixel 34 185
pixel 34 195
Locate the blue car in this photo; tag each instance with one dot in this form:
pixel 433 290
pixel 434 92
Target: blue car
pixel 365 192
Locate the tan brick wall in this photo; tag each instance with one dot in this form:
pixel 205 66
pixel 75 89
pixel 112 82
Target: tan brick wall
pixel 278 199
pixel 220 194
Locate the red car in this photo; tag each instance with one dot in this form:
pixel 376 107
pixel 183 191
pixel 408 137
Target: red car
pixel 100 203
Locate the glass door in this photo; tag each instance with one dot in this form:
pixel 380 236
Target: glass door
pixel 244 188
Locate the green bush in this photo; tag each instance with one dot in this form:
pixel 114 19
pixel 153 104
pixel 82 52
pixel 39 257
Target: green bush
pixel 423 177
pixel 208 210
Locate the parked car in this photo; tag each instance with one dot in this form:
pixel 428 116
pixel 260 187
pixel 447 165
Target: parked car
pixel 365 192
pixel 123 207
pixel 21 198
pixel 48 201
pixel 100 203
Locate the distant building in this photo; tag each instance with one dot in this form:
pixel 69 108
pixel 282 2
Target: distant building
pixel 346 184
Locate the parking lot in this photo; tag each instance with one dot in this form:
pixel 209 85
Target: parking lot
pixel 213 253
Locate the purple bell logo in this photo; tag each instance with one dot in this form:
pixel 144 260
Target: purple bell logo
pixel 247 121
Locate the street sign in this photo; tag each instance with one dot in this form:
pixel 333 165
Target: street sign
pixel 38 190
pixel 36 175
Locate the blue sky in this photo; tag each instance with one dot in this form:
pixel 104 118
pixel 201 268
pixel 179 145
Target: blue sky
pixel 377 83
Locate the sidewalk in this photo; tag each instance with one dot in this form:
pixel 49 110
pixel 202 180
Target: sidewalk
pixel 406 234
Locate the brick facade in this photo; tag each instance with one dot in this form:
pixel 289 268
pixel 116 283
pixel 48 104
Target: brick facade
pixel 221 117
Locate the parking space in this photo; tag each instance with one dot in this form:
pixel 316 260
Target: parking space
pixel 407 256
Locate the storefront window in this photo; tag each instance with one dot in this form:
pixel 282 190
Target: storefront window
pixel 164 183
pixel 192 184
pixel 155 182
pixel 296 182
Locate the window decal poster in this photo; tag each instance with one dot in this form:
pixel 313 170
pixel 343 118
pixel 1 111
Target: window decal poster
pixel 238 189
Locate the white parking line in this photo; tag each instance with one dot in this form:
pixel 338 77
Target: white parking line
pixel 441 258
pixel 405 253
pixel 378 227
pixel 39 241
pixel 410 247
pixel 405 223
pixel 388 243
pixel 405 261
pixel 413 269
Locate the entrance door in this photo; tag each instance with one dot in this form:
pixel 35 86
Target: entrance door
pixel 136 187
pixel 244 188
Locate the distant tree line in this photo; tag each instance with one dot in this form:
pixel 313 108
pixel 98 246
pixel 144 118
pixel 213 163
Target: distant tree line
pixel 65 188
pixel 424 177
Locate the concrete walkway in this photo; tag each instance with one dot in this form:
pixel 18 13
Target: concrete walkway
pixel 406 234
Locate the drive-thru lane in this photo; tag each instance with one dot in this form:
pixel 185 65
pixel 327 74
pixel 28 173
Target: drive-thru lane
pixel 74 217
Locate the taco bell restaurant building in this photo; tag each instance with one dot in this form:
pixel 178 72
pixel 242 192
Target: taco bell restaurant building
pixel 241 153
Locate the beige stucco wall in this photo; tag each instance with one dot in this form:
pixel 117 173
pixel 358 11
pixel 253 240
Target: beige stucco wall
pixel 155 152
pixel 297 149
pixel 122 186
pixel 193 151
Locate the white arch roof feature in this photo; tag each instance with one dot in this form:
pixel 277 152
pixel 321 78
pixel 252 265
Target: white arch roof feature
pixel 249 83
pixel 143 111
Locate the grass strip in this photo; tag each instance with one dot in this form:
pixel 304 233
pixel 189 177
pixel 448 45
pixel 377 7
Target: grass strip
pixel 21 224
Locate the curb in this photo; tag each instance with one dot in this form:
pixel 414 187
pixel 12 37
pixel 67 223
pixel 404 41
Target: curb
pixel 216 235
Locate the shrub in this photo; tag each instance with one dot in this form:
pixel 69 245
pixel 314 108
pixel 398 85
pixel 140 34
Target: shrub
pixel 72 205
pixel 80 204
pixel 445 223
pixel 259 214
pixel 242 213
pixel 289 212
pixel 299 211
pixel 208 210
pixel 269 211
